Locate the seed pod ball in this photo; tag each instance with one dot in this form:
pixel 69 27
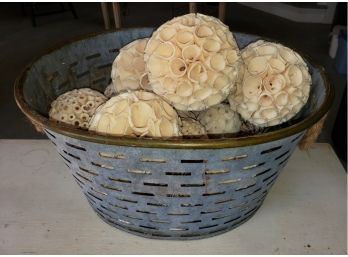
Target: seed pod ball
pixel 136 113
pixel 76 107
pixel 220 119
pixel 128 68
pixel 275 84
pixel 192 61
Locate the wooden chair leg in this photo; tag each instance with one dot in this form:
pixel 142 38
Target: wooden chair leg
pixel 222 11
pixel 105 12
pixel 117 14
pixel 193 7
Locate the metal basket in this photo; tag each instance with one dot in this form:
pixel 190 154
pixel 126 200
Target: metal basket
pixel 168 189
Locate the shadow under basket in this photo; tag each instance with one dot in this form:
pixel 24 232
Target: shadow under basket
pixel 166 189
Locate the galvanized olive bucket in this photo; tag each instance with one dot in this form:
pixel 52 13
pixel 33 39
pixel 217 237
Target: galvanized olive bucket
pixel 167 189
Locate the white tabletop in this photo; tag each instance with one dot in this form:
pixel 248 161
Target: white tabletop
pixel 42 211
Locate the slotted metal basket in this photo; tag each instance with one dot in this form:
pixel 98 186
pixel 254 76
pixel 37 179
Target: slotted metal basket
pixel 169 189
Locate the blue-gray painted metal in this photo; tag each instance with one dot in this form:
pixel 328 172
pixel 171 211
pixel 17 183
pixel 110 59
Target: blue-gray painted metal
pixel 158 193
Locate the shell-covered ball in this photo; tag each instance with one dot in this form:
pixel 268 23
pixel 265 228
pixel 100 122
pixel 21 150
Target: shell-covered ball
pixel 128 68
pixel 220 119
pixel 136 113
pixel 191 127
pixel 274 87
pixel 192 61
pixel 110 91
pixel 76 107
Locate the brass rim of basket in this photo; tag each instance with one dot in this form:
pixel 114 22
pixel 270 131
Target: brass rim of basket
pixel 44 122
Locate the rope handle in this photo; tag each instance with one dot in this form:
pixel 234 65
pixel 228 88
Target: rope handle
pixel 312 134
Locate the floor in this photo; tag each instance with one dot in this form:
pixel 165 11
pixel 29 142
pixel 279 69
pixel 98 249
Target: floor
pixel 20 43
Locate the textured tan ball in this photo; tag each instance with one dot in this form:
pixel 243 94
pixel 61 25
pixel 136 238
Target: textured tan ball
pixel 128 68
pixel 275 84
pixel 191 127
pixel 220 119
pixel 137 113
pixel 192 61
pixel 76 107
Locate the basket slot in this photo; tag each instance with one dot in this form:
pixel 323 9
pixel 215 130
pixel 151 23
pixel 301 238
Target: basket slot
pixel 193 161
pixel 114 50
pixel 253 166
pixel 178 195
pixel 145 212
pixel 78 180
pixel 229 181
pixel 83 177
pixel 269 183
pixel 50 134
pixel 65 158
pixel 53 142
pixel 252 210
pixel 112 155
pixel 296 138
pixel 157 204
pixel 209 226
pixel 104 66
pixel 257 190
pixel 173 173
pixel 102 166
pixel 96 81
pixel 245 187
pixel 90 199
pixel 216 172
pixel 120 180
pixel 99 192
pixel 95 197
pixel 191 205
pixel 234 219
pixel 191 221
pixel 287 158
pixel 72 155
pixel 193 185
pixel 148 227
pixel 261 173
pixel 268 178
pixel 178 229
pixel 214 193
pixel 118 206
pixel 108 209
pixel 110 188
pixel 155 184
pixel 89 57
pixel 153 160
pixel 211 211
pixel 88 171
pixel 136 171
pixel 161 221
pixel 283 154
pixel 143 193
pixel 225 201
pixel 75 146
pixel 82 74
pixel 125 222
pixel 234 158
pixel 271 150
